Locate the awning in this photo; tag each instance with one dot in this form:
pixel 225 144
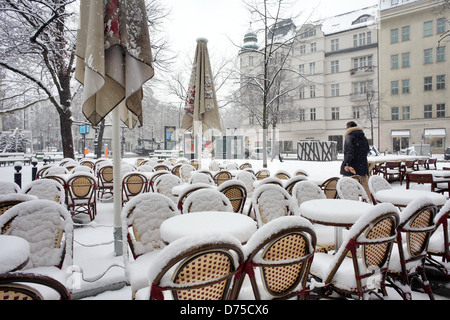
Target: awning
pixel 400 133
pixel 434 132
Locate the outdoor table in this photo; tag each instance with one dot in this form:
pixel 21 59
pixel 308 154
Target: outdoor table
pixel 208 222
pixel 402 197
pixel 14 253
pixel 439 175
pixel 339 213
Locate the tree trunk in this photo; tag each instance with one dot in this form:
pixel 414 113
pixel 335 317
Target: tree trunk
pixel 101 129
pixel 65 116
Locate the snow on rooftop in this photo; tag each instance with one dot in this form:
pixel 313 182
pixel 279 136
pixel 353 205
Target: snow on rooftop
pixel 365 17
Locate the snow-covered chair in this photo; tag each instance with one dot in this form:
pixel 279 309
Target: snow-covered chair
pixel 377 183
pixel 11 199
pixel 46 189
pixel 410 251
pixel 361 263
pixel 248 179
pixel 81 194
pixel 236 192
pixel 214 165
pixel 282 250
pixel 141 220
pixel 300 172
pixel 19 286
pixel 185 171
pixel 329 187
pixel 262 173
pixel 187 191
pixel 350 189
pixel 201 177
pixel 289 184
pixel 153 177
pixel 145 168
pixel 54 170
pixel 222 176
pixel 83 169
pixel 271 201
pixel 307 190
pixel 439 245
pixel 282 175
pixel 273 180
pixel 195 268
pixel 164 184
pixel 207 199
pixel 133 183
pixel 48 227
pixel 7 187
pixel 105 176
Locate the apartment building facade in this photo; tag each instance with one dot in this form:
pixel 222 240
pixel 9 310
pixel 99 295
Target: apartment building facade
pixel 385 67
pixel 414 73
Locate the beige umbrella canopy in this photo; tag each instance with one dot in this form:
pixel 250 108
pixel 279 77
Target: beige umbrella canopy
pixel 201 103
pixel 114 58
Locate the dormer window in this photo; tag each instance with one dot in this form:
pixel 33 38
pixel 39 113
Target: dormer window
pixel 361 19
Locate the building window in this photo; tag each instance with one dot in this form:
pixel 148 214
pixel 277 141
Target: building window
pixel 440 110
pixel 335 113
pixel 394 61
pixel 250 61
pixel 312 91
pixel 302 93
pixel 405 113
pixel 440 54
pixel 441 25
pixel 312 68
pixel 394 87
pixel 428 28
pixel 335 66
pixel 428 83
pixel 301 69
pixel 405 86
pixel 440 82
pixel 428 111
pixel 405 60
pixel 394 113
pixel 427 56
pixel 356 114
pixel 405 33
pixel 394 35
pixel 302 115
pixel 312 114
pixel 313 47
pixel 335 45
pixel 302 49
pixel 335 90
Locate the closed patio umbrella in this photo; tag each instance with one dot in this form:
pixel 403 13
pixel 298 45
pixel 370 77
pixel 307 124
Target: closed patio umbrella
pixel 201 109
pixel 114 60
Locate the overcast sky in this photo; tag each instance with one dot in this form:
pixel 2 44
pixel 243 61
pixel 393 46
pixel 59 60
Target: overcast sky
pixel 225 21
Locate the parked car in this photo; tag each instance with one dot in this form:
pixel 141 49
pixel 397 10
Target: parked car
pixel 447 154
pixel 257 153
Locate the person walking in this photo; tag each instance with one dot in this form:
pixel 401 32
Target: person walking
pixel 356 149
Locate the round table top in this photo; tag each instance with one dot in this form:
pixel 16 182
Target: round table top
pixel 208 222
pixel 334 212
pixel 402 197
pixel 14 253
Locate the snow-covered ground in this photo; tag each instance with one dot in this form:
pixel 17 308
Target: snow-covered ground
pixel 95 264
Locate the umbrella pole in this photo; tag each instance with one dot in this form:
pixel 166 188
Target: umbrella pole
pixel 118 249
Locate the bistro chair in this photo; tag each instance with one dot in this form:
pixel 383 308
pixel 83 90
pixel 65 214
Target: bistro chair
pixel 361 263
pixel 245 165
pixel 377 183
pixel 46 189
pixel 161 167
pixel 195 268
pixel 432 162
pixel 410 251
pixel 87 163
pixel 270 201
pixel 289 185
pixel 7 187
pixel 350 189
pixel 133 183
pixel 262 173
pixel 410 166
pixel 185 171
pixel 54 170
pixel 164 184
pixel 84 169
pixel 248 179
pixel 195 163
pixel 48 227
pixel 282 175
pixel 392 170
pixel 176 169
pixel 282 250
pixel 10 200
pixel 152 179
pixel 41 172
pixel 24 286
pixel 214 165
pixel 201 177
pixel 105 184
pixel 307 190
pixel 142 217
pixel 145 168
pixel 439 245
pixel 222 176
pixel 329 187
pixel 231 166
pixel 422 163
pixel 187 191
pixel 269 180
pixel 300 172
pixel 236 192
pixel 82 195
pixel 207 200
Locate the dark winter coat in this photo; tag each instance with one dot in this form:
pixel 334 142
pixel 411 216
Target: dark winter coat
pixel 356 148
